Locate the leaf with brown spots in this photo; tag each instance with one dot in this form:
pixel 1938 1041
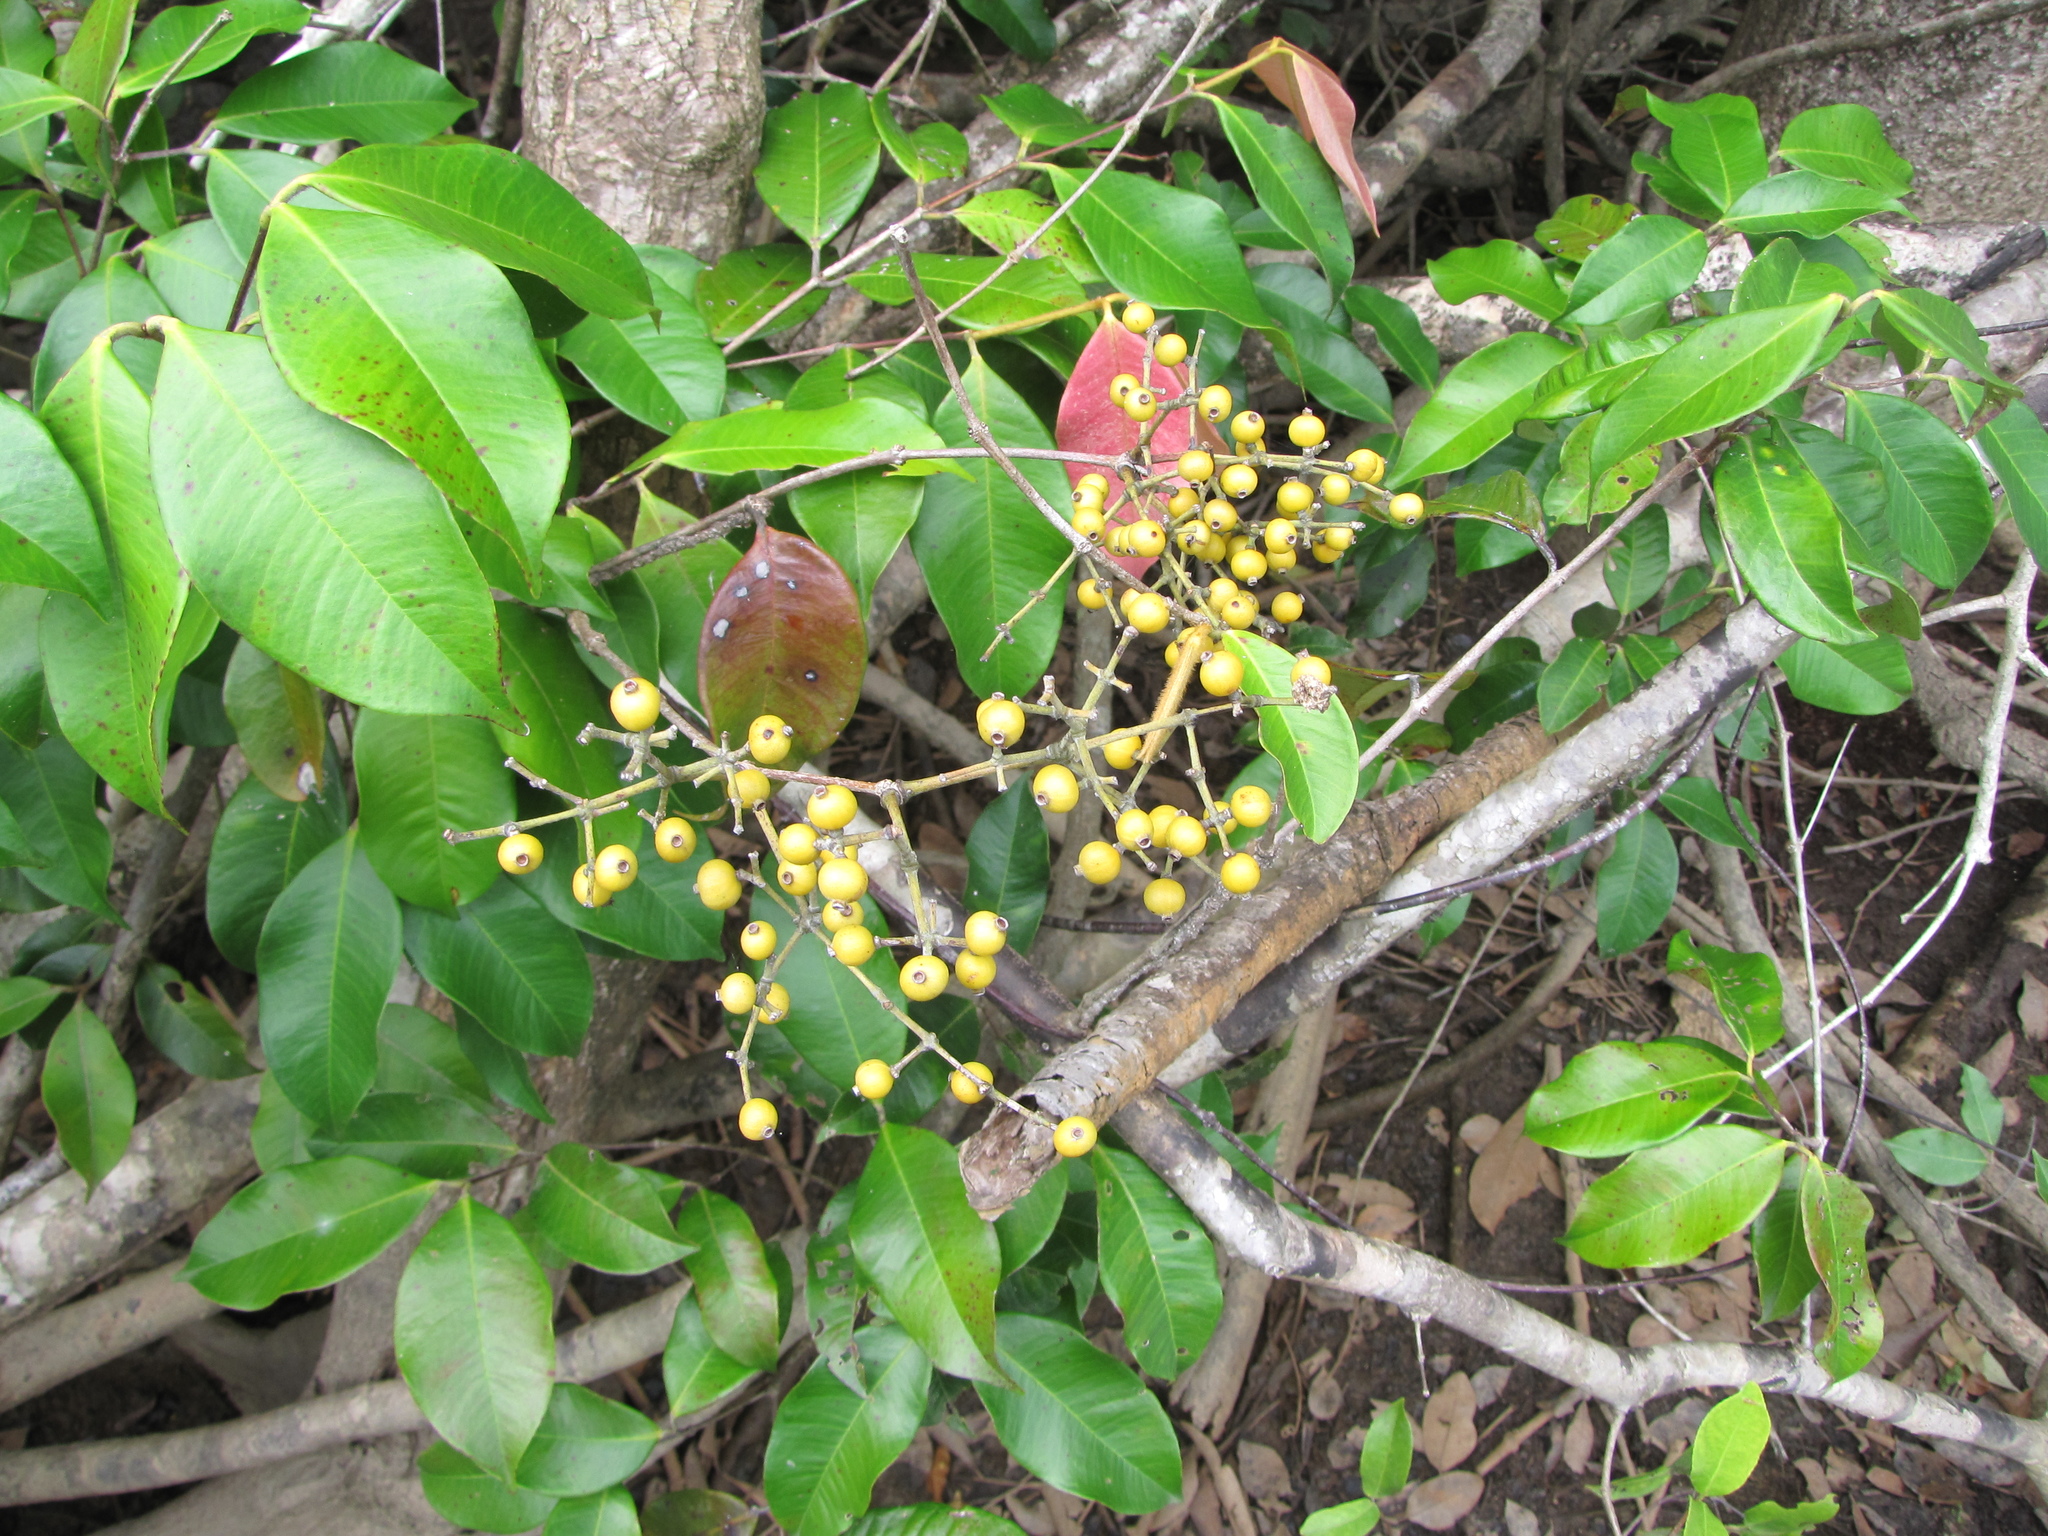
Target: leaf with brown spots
pixel 783 636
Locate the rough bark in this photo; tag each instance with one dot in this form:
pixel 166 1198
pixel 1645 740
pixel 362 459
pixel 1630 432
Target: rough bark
pixel 100 1328
pixel 650 112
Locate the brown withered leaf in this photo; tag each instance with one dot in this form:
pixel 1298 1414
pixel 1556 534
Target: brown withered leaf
pixel 1442 1502
pixel 1509 1169
pixel 1448 1435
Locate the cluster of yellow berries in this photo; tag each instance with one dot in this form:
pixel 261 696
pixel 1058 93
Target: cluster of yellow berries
pixel 1166 828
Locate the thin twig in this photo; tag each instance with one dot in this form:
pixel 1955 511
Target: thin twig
pixel 511 38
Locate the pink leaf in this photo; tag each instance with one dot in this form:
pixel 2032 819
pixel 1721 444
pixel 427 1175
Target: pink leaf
pixel 1310 89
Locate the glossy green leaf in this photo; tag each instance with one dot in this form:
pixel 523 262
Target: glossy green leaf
pixel 501 206
pixel 1847 142
pixel 1081 1421
pixel 1782 530
pixel 1715 144
pixel 858 519
pixel 280 722
pixel 2016 446
pixel 464 1494
pixel 1577 493
pixel 1317 749
pixel 1500 692
pixel 474 1335
pixel 1581 225
pixel 696 1372
pixel 260 846
pixel 734 1286
pixel 818 157
pixel 1022 291
pixel 1500 266
pixel 659 915
pixel 21 675
pixel 1476 405
pixel 343 91
pixel 1640 561
pixel 1021 24
pixel 239 185
pixel 830 1443
pixel 1571 683
pixel 1618 1097
pixel 932 1520
pixel 421 775
pixel 1723 370
pixel 1634 888
pixel 682 585
pixel 302 1227
pixel 1173 249
pixel 507 961
pixel 1837 1213
pixel 1746 988
pixel 1598 374
pixel 1785 1275
pixel 112 294
pixel 660 372
pixel 1805 203
pixel 43 270
pixel 50 537
pixel 163 45
pixel 27 99
pixel 1354 1517
pixel 928 1252
pixel 1770 1518
pixel 585 1443
pixel 1698 803
pixel 1869 677
pixel 1315 350
pixel 746 285
pixel 1939 506
pixel 1653 259
pixel 1700 1519
pixel 769 437
pixel 436 1138
pixel 1940 1157
pixel 298 528
pixel 557 696
pixel 52 794
pixel 1009 861
pixel 417 1053
pixel 1026 1227
pixel 1293 185
pixel 1037 116
pixel 1387 1452
pixel 88 66
pixel 601 1214
pixel 90 1095
pixel 1012 217
pixel 1399 332
pixel 1782 276
pixel 185 1025
pixel 1158 1265
pixel 1670 1203
pixel 933 151
pixel 24 1000
pixel 329 950
pixel 984 549
pixel 1730 1442
pixel 1938 326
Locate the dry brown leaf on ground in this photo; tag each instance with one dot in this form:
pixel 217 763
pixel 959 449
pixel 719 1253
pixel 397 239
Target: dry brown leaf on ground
pixel 1363 1192
pixel 1814 1475
pixel 1442 1502
pixel 1437 1125
pixel 1509 1169
pixel 1997 1061
pixel 1646 1332
pixel 1325 1397
pixel 1488 1383
pixel 1843 1470
pixel 1907 1289
pixel 1578 1441
pixel 1448 1435
pixel 1478 1131
pixel 1888 1480
pixel 2033 1007
pixel 1386 1222
pixel 1520 1521
pixel 1263 1473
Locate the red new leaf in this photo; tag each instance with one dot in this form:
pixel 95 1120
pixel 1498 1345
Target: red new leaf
pixel 783 636
pixel 1310 89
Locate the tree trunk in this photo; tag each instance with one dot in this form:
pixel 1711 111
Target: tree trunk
pixel 650 112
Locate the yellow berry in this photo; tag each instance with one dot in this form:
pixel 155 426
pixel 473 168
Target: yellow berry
pixel 1240 874
pixel 1120 388
pixel 986 933
pixel 519 854
pixel 1222 675
pixel 1170 350
pixel 718 885
pixel 1282 559
pixel 1286 606
pixel 1249 564
pixel 1134 829
pixel 1294 496
pixel 1313 668
pixel 1092 594
pixel 1338 538
pixel 1336 489
pixel 750 787
pixel 584 887
pixel 1056 788
pixel 797 879
pixel 1405 510
pixel 757 940
pixel 853 945
pixel 1183 501
pixel 842 879
pixel 1099 863
pixel 1240 609
pixel 616 867
pixel 636 704
pixel 737 992
pixel 1161 817
pixel 1088 522
pixel 675 840
pixel 1196 465
pixel 974 972
pixel 1187 836
pixel 923 977
pixel 1164 897
pixel 797 843
pixel 1146 538
pixel 1074 1136
pixel 768 739
pixel 1238 480
pixel 1325 553
pixel 1247 426
pixel 1367 466
pixel 1279 534
pixel 1138 318
pixel 1002 720
pixel 1192 537
pixel 757 1119
pixel 1220 588
pixel 1141 405
pixel 832 807
pixel 838 916
pixel 1123 752
pixel 873 1079
pixel 1214 402
pixel 1251 805
pixel 971 1082
pixel 1095 480
pixel 1149 613
pixel 1306 430
pixel 1220 516
pixel 774 1004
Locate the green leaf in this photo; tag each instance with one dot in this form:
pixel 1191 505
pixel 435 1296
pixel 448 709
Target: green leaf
pixel 984 548
pixel 1653 259
pixel 1618 1097
pixel 328 955
pixel 1158 1265
pixel 659 915
pixel 1314 348
pixel 343 91
pixel 610 1513
pixel 818 157
pixel 695 1371
pixel 1939 1157
pixel 1938 326
pixel 1500 692
pixel 769 437
pixel 298 528
pixel 113 293
pixel 660 372
pixel 1699 803
pixel 300 1228
pixel 1639 561
pixel 239 185
pixel 1938 504
pixel 558 696
pixel 279 1133
pixel 1173 249
pixel 507 961
pixel 1387 1452
pixel 262 843
pixel 1771 1518
pixel 1730 1442
pixel 1009 217
pixel 1499 266
pixel 682 585
pixel 1390 591
pixel 2016 446
pixel 1476 405
pixel 1024 291
pixel 830 1443
pixel 746 285
pixel 934 151
pixel 1837 1214
pixel 1983 1115
pixel 1577 493
pixel 1581 225
pixel 1869 677
pixel 90 1095
pixel 1782 530
pixel 1399 332
pixel 1081 1421
pixel 356 306
pixel 474 1335
pixel 50 537
pixel 1026 1227
pixel 1317 749
pixel 161 45
pixel 96 49
pixel 1785 1275
pixel 1700 1519
pixel 464 1494
pixel 602 1215
pixel 1746 988
pixel 1847 142
pixel 111 679
pixel 1670 1203
pixel 1715 144
pixel 1782 276
pixel 1571 684
pixel 436 1138
pixel 188 1029
pixel 1021 24
pixel 501 206
pixel 417 1053
pixel 859 520
pixel 1805 203
pixel 1037 116
pixel 584 1444
pixel 832 1291
pixel 280 721
pixel 1292 184
pixel 27 99
pixel 1716 373
pixel 1009 862
pixel 418 776
pixel 23 1000
pixel 1597 374
pixel 52 794
pixel 1355 1517
pixel 931 1257
pixel 932 1520
pixel 734 1286
pixel 1634 888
